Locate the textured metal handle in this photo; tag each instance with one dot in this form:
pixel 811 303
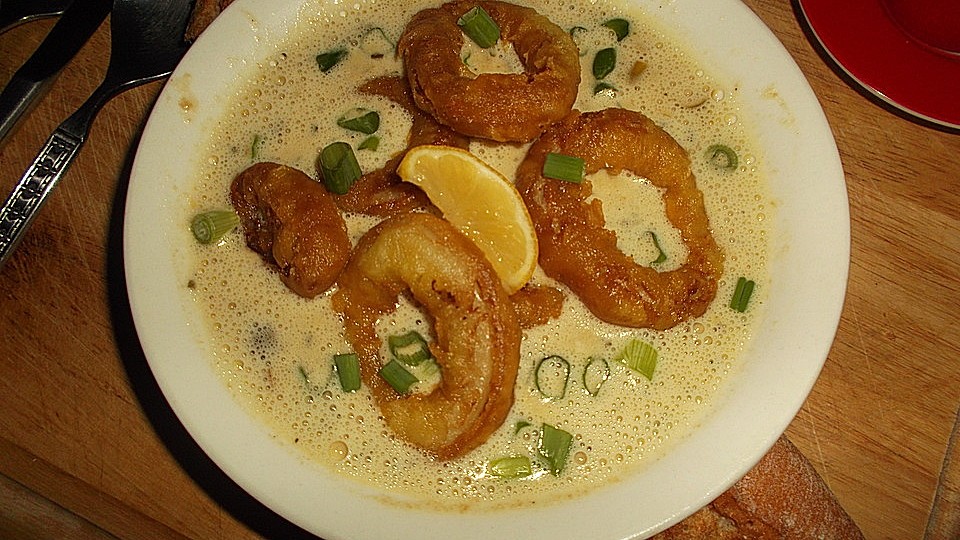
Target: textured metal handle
pixel 32 190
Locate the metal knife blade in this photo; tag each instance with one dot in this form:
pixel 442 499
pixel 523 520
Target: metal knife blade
pixel 74 28
pixel 16 12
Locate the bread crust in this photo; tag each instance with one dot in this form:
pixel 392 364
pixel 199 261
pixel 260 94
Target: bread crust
pixel 782 497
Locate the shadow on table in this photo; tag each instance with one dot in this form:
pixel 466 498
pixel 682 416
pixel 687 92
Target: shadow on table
pixel 240 504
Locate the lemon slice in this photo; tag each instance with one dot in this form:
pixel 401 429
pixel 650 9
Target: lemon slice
pixel 481 203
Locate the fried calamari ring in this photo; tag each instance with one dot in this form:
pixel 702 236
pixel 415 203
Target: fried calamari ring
pixel 292 222
pixel 500 106
pixel 577 250
pixel 477 341
pixel 381 192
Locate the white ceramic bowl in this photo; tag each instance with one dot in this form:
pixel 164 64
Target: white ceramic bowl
pixel 808 264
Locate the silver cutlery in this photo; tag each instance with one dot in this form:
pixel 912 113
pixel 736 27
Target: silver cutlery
pixel 16 12
pixel 32 80
pixel 146 44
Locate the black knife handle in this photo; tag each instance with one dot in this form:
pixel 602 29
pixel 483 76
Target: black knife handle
pixel 16 12
pixel 16 100
pixel 63 41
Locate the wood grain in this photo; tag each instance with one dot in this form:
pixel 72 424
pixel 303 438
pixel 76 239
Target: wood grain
pixel 85 433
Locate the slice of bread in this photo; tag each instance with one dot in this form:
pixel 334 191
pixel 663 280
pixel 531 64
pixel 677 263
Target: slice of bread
pixel 782 497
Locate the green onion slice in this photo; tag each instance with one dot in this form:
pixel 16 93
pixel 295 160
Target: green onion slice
pixel 375 43
pixel 339 167
pixel 578 33
pixel 639 356
pixel 255 146
pixel 361 120
pixel 480 27
pixel 510 467
pixel 554 447
pixel 620 27
pixel 595 373
pixel 397 376
pixel 604 62
pixel 428 368
pixel 409 348
pixel 370 143
pixel 520 425
pixel 551 377
pixel 563 167
pixel 604 88
pixel 741 294
pixel 722 156
pixel 210 227
pixel 303 374
pixel 348 371
pixel 661 255
pixel 327 60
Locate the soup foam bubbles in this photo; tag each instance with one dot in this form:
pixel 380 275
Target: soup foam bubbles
pixel 274 349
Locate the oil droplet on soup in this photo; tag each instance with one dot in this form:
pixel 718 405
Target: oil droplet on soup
pixel 275 349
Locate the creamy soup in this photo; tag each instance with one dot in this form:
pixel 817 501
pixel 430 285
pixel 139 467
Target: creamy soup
pixel 275 349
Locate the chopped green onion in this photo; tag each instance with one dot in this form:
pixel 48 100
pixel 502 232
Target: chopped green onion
pixel 520 425
pixel 362 120
pixel 554 447
pixel 661 255
pixel 397 376
pixel 510 467
pixel 339 167
pixel 604 62
pixel 370 143
pixel 605 88
pixel 722 156
pixel 428 368
pixel 210 227
pixel 326 60
pixel 375 43
pixel 348 371
pixel 256 146
pixel 551 377
pixel 595 373
pixel 620 27
pixel 741 294
pixel 577 33
pixel 563 167
pixel 639 356
pixel 480 27
pixel 303 375
pixel 409 348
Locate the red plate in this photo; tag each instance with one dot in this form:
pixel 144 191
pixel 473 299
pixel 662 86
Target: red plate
pixel 881 57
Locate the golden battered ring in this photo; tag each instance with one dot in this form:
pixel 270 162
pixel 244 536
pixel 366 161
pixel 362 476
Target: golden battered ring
pixel 514 107
pixel 577 250
pixel 477 341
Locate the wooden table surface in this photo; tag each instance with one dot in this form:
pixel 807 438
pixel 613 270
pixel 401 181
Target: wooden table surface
pixel 88 447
